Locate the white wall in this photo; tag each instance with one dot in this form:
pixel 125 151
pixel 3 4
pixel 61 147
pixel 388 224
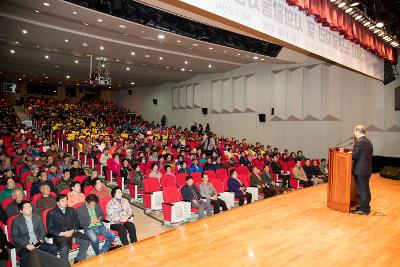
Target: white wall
pixel 316 106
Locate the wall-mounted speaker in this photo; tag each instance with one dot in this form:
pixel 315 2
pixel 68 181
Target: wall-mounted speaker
pixel 272 111
pixel 129 92
pixel 204 110
pixel 261 117
pixel 154 101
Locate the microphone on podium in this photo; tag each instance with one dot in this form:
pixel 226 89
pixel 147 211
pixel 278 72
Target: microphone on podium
pixel 348 139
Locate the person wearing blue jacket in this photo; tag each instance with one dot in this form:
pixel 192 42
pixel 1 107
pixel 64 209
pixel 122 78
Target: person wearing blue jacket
pixel 236 186
pixel 195 167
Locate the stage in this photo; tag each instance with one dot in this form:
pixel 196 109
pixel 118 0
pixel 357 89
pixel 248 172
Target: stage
pixel 295 229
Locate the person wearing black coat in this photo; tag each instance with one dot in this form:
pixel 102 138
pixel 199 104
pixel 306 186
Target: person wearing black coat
pixel 63 225
pixel 362 168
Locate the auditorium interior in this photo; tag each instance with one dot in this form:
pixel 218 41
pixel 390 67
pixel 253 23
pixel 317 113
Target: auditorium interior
pixel 151 132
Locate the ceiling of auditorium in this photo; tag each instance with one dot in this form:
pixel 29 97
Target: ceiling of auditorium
pixel 46 41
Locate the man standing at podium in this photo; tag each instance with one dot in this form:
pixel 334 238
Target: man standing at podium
pixel 362 168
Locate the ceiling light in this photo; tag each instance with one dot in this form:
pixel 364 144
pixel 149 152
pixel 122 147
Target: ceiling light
pixel 161 58
pixel 190 70
pixel 76 61
pixel 37 46
pixel 182 69
pixel 66 40
pixel 109 87
pixel 132 53
pixel 211 48
pixel 67 76
pixel 161 36
pixel 24 31
pixel 19 79
pixel 377 30
pixel 195 44
pixel 178 41
pixel 372 27
pixel 122 26
pixel 349 9
pixel 99 20
pixel 341 4
pixel 117 60
pixel 46 77
pixel 358 17
pixel 132 83
pixel 186 62
pixel 86 24
pixel 379 24
pixel 238 54
pixel 46 57
pixel 75 13
pixel 333 1
pixel 355 4
pixel 209 66
pixel 125 34
pixel 37 11
pixel 46 4
pixel 127 68
pixel 147 56
pixel 16 42
pixel 367 23
pixel 101 47
pixel 103 65
pixel 262 59
pixel 382 33
pixel 255 57
pixel 167 67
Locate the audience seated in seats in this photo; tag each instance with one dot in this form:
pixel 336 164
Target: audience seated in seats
pixel 76 170
pixel 317 171
pixel 66 164
pixel 209 166
pixel 46 201
pixel 266 176
pixel 129 157
pixel 161 162
pixel 138 176
pixel 277 168
pixel 299 174
pixel 310 175
pixel 7 192
pixel 258 162
pixel 300 155
pixel 99 189
pixel 63 225
pixel 153 156
pixel 168 171
pixel 183 168
pixel 292 156
pixel 323 167
pixel 116 165
pixel 120 215
pixel 75 196
pixel 65 181
pixel 236 186
pixel 27 230
pixel 104 157
pixel 208 192
pixel 89 180
pixel 3 249
pixel 195 167
pixel 34 176
pixel 203 158
pixel 256 180
pixel 218 164
pixel 90 219
pixel 155 173
pixel 54 173
pixel 192 195
pixel 52 151
pixel 42 180
pixel 12 208
pixel 125 170
pixel 93 154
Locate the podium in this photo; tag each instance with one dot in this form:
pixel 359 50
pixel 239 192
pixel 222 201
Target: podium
pixel 342 194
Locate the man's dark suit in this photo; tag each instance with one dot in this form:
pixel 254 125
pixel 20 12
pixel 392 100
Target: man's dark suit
pixel 362 168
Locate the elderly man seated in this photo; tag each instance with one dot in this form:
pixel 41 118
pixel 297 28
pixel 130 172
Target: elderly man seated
pixel 46 201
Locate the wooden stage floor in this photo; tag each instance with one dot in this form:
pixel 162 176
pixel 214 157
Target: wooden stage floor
pixel 295 229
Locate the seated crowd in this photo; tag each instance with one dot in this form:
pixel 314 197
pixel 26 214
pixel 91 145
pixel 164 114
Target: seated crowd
pixel 42 181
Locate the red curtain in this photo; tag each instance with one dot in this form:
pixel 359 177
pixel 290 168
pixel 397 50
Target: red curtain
pixel 331 16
